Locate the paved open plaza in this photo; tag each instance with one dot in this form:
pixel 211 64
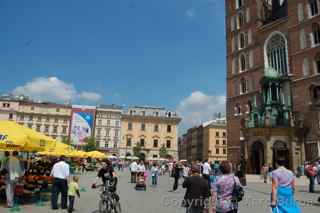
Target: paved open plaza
pixel 161 200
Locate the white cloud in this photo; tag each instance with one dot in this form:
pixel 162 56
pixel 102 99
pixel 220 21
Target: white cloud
pixel 55 90
pixel 90 96
pixel 199 107
pixel 191 13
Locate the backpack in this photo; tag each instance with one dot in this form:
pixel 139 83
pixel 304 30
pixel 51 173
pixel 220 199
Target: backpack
pixel 237 193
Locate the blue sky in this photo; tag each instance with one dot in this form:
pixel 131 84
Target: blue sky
pixel 167 53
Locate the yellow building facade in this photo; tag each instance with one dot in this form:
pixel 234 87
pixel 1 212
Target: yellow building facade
pixel 150 128
pixel 207 141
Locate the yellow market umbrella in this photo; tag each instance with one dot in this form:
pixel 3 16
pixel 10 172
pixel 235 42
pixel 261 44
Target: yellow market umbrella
pixel 38 139
pixel 32 141
pixel 11 137
pixel 96 154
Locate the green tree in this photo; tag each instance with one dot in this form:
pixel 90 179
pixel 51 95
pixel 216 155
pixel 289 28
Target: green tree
pixel 137 150
pixel 66 140
pixel 163 153
pixel 90 144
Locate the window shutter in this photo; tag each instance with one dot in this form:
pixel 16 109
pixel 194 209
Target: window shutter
pixel 237 4
pixel 306 68
pixel 232 24
pixel 314 67
pixel 248 15
pixel 253 83
pixel 251 58
pixel 302 39
pixel 309 11
pixel 249 36
pixel 311 40
pixel 232 44
pixel 234 65
pixel 235 42
pixel 247 61
pixel 300 12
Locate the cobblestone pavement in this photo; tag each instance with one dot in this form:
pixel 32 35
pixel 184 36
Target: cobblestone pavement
pixel 160 200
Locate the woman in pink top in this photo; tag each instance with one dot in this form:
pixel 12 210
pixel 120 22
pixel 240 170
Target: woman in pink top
pixel 223 189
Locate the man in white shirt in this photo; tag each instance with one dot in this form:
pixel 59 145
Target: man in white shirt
pixel 206 169
pixel 60 173
pixel 133 169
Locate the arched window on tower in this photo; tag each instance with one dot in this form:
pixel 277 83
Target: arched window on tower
pixel 241 20
pixel 243 63
pixel 243 86
pixel 317 64
pixel 316 33
pixel 276 54
pixel 237 109
pixel 249 107
pixel 242 40
pixel 313 8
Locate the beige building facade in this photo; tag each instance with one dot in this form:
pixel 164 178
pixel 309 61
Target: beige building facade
pixel 48 118
pixel 152 128
pixel 207 141
pixel 8 109
pixel 107 130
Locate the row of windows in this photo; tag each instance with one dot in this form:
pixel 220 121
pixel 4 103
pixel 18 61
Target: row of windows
pixel 224 134
pixel 40 119
pixel 142 143
pixel 108 115
pixel 155 127
pixel 117 123
pixel 6 105
pixel 46 129
pixel 224 142
pixel 32 109
pixel 116 132
pixel 224 151
pixel 106 144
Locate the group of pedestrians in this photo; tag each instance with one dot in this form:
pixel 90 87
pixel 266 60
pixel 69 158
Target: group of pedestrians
pixel 136 169
pixel 225 191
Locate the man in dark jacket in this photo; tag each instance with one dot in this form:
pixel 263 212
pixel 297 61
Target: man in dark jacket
pixel 197 194
pixel 176 172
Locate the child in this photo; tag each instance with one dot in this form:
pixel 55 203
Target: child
pixel 73 190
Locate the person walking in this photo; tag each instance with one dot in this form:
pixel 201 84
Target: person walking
pixel 264 173
pixel 154 174
pixel 60 173
pixel 283 188
pixel 133 169
pixel 185 171
pixel 224 189
pixel 206 170
pixel 176 175
pixel 13 172
pixel 196 198
pixel 311 172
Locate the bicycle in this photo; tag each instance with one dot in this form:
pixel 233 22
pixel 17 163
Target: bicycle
pixel 109 199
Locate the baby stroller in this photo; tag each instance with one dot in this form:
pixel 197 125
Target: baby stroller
pixel 141 181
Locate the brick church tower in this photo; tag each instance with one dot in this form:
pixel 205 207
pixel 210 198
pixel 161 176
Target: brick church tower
pixel 273 81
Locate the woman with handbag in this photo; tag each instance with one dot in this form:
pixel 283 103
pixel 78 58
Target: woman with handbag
pixel 283 188
pixel 227 190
